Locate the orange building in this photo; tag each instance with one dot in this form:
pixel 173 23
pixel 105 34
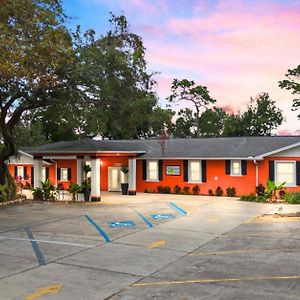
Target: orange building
pixel 239 162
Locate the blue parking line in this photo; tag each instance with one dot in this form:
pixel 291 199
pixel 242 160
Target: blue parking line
pixel 178 209
pixel 99 229
pixel 149 224
pixel 37 251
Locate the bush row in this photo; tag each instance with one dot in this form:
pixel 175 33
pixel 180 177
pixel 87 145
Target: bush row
pixel 186 190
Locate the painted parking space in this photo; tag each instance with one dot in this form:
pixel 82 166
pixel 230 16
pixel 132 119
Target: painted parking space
pixel 162 216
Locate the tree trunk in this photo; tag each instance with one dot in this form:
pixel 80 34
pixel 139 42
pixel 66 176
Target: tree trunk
pixel 8 180
pixel 197 122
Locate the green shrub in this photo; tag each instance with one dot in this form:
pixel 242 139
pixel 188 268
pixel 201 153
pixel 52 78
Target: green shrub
pixel 261 198
pixel 177 189
pixel 196 190
pixel 219 191
pixel 210 192
pixel 167 190
pixel 260 189
pixel 186 190
pixel 74 189
pixel 250 198
pixel 38 194
pixel 292 197
pixel 3 193
pixel 230 192
pixel 160 189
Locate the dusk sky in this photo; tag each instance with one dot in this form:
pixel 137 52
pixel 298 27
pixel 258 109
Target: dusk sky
pixel 236 48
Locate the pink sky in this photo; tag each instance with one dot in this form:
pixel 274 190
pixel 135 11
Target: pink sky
pixel 236 48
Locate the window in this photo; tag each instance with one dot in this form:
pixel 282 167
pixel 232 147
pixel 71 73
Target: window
pixel 195 171
pixel 285 172
pixel 236 168
pixel 20 171
pixel 152 170
pixel 64 174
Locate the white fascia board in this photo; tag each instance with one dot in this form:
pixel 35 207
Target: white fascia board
pixel 80 152
pixel 261 156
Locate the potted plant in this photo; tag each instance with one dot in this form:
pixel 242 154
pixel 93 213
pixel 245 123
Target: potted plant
pixel 86 189
pixel 124 185
pixel 86 169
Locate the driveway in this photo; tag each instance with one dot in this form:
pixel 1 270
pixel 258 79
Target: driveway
pixel 148 247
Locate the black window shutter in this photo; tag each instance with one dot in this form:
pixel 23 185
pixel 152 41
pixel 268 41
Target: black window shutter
pixel 69 174
pixel 227 167
pixel 244 167
pixel 15 171
pixel 185 170
pixel 144 164
pixel 298 172
pixel 271 170
pixel 25 172
pixel 47 173
pixel 160 170
pixel 32 176
pixel 58 173
pixel 203 170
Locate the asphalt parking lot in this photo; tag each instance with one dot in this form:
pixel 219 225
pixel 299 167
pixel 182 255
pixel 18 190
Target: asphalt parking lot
pixel 149 247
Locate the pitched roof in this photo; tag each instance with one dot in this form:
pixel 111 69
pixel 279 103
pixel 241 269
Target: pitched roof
pixel 229 147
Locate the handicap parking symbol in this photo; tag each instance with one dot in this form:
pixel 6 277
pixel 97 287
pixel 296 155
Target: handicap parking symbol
pixel 162 216
pixel 122 224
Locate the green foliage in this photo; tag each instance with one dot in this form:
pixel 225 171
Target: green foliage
pixel 187 91
pixel 260 189
pixel 47 192
pixel 86 185
pixel 292 197
pixel 272 190
pixel 74 189
pixel 124 168
pixel 219 192
pixel 3 193
pixel 231 192
pixel 167 190
pixel 250 198
pixel 177 189
pixel 184 124
pixel 160 189
pixel 186 190
pixel 212 122
pixel 292 83
pixel 210 192
pixel 196 190
pixel 262 117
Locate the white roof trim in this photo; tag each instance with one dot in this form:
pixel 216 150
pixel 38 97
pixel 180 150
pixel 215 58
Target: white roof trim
pixel 261 156
pixel 79 152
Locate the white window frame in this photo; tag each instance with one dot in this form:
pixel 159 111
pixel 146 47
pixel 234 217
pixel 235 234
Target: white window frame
pixel 294 184
pixel 44 174
pixel 156 179
pixel 200 171
pixel 231 167
pixel 20 171
pixel 61 174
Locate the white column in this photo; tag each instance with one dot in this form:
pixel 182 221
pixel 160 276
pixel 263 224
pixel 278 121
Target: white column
pixel 79 171
pixel 95 179
pixel 132 176
pixel 38 172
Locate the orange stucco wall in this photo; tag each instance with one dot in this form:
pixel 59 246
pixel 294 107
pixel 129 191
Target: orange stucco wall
pixel 68 163
pixel 263 171
pixel 29 178
pixel 215 175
